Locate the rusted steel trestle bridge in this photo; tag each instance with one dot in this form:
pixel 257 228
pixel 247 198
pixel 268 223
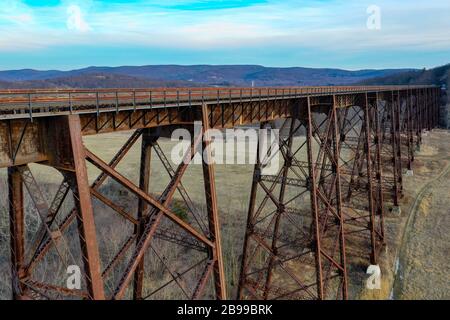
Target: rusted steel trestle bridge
pixel 303 223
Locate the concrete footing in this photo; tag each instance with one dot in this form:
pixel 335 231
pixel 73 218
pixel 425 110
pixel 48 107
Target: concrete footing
pixel 396 211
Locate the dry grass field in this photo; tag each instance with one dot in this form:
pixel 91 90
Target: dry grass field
pixel 423 262
pixel 415 262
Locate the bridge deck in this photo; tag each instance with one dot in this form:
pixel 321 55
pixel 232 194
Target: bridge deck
pixel 19 104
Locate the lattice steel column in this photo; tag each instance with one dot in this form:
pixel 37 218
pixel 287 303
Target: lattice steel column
pixel 211 205
pixel 375 198
pixel 379 169
pixel 361 174
pixel 395 150
pixel 149 138
pixel 410 135
pixel 17 232
pixel 85 216
pixel 418 118
pixel 281 199
pixel 326 200
pixel 342 266
pixel 428 100
pixel 249 225
pixel 280 242
pixel 398 134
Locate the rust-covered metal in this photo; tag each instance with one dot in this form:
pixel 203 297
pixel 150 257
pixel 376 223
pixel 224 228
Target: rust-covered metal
pixel 343 154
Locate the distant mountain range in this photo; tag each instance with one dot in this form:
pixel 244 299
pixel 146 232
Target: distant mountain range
pixel 197 75
pixel 95 80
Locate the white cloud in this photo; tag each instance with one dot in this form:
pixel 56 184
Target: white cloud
pixel 24 18
pixel 14 12
pixel 336 25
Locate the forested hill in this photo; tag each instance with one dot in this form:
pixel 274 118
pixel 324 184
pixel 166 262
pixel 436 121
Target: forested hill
pixel 436 76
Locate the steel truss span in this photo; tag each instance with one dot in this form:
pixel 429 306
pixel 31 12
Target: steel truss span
pixel 343 151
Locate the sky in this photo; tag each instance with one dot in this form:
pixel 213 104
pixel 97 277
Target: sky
pixel 347 34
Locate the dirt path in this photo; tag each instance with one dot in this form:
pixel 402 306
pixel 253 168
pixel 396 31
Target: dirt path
pixel 424 271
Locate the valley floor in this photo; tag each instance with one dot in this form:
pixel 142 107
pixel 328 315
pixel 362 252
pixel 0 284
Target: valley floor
pixel 423 270
pixel 415 263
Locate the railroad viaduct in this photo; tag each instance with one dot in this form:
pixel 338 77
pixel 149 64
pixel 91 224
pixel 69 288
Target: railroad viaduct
pixel 359 143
